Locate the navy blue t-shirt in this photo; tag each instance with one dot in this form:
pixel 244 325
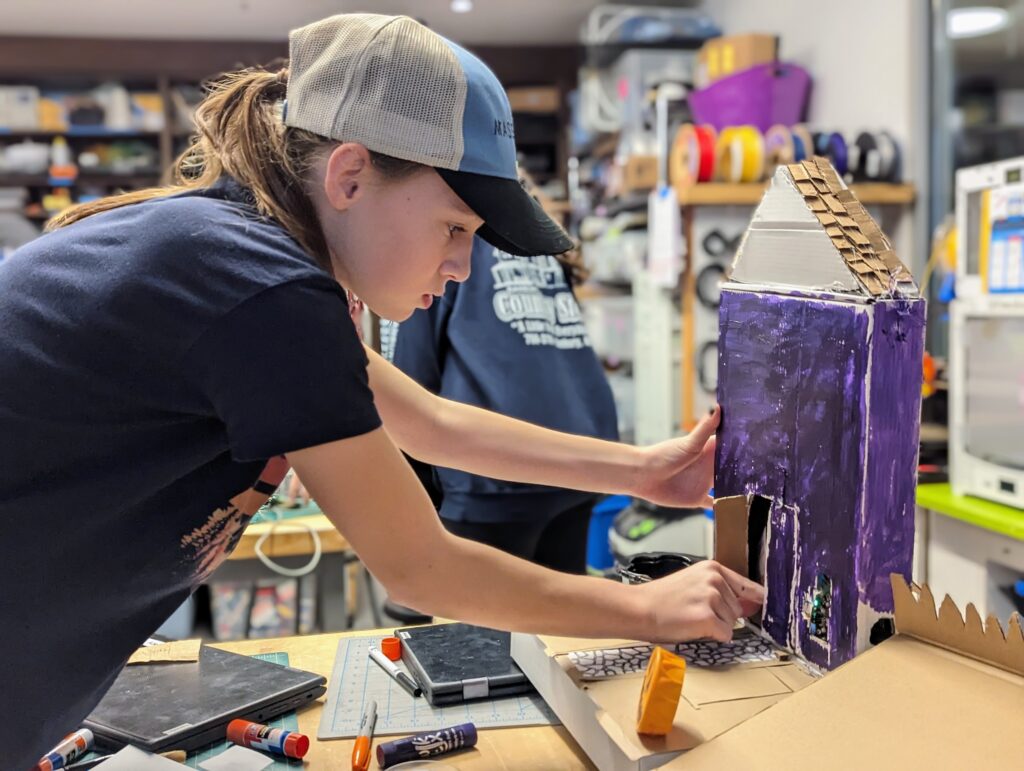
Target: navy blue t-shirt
pixel 510 339
pixel 144 412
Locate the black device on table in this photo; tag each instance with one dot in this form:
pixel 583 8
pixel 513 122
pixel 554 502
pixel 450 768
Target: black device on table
pixel 171 706
pixel 458 662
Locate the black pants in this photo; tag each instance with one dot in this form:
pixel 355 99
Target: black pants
pixel 559 543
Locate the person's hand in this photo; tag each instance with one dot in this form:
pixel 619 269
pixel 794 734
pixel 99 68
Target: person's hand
pixel 701 601
pixel 680 472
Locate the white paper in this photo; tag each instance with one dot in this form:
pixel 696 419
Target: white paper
pixel 237 759
pixel 665 244
pixel 134 759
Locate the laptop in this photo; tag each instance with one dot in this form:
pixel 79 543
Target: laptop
pixel 454 663
pixel 160 707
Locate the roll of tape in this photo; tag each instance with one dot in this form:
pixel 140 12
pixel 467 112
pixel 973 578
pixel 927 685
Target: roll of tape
pixel 835 151
pixel 802 136
pixel 709 285
pixel 864 157
pixel 720 246
pixel 660 692
pixel 739 154
pixel 707 366
pixel 692 158
pixel 799 149
pixel 889 157
pixel 779 147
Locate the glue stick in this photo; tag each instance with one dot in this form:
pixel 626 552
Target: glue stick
pixel 73 747
pixel 255 736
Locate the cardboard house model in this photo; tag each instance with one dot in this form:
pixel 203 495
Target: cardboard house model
pixel 820 350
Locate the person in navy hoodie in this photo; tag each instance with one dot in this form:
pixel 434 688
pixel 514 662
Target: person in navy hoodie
pixel 511 339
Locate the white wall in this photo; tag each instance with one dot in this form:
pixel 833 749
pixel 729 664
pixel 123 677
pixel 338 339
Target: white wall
pixel 869 64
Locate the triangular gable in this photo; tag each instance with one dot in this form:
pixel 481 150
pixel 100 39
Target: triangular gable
pixel 809 231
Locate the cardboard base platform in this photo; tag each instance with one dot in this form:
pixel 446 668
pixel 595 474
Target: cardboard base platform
pixel 601 715
pixel 947 692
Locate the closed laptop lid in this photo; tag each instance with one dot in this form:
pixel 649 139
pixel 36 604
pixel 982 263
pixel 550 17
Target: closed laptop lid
pixel 446 657
pixel 160 706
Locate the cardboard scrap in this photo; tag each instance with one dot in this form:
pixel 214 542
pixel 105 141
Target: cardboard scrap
pixel 807 189
pixel 731 516
pixel 175 651
pixel 799 172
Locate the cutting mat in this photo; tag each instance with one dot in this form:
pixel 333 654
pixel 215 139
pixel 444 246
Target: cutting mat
pixel 355 680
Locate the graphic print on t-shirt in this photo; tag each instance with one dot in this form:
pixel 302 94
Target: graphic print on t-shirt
pixel 209 545
pixel 532 296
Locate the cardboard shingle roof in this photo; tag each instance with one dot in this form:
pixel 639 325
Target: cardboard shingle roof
pixel 810 231
pixel 861 243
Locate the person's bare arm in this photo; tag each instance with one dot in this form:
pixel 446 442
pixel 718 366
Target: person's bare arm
pixel 370 493
pixel 446 433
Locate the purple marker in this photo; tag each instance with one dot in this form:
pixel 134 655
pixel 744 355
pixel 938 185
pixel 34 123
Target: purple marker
pixel 426 745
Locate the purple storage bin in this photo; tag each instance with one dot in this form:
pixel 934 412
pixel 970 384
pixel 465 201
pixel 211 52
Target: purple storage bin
pixel 761 96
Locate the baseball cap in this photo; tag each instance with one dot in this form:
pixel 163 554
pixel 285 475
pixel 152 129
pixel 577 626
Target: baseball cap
pixel 400 89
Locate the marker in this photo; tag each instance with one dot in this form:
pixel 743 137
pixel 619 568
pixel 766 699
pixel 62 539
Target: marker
pixel 74 745
pixel 361 751
pixel 255 736
pixel 426 745
pixel 403 679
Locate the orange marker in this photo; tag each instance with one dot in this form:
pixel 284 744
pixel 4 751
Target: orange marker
pixel 361 751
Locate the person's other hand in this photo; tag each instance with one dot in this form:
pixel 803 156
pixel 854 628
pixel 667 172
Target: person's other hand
pixel 680 472
pixel 702 601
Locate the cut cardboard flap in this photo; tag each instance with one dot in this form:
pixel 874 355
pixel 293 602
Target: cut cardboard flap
pixel 915 616
pixel 731 516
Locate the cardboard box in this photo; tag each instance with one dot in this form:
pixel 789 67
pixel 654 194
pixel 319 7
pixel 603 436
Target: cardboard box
pixel 821 412
pixel 944 693
pixel 535 99
pixel 724 56
pixel 601 714
pixel 640 172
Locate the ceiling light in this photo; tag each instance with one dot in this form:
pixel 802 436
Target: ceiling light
pixel 462 6
pixel 975 21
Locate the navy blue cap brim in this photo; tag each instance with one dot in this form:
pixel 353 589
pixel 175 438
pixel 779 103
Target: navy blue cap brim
pixel 513 219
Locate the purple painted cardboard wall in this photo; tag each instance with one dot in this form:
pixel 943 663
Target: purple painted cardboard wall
pixel 821 415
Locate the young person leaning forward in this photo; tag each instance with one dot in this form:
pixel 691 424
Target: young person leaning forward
pixel 142 425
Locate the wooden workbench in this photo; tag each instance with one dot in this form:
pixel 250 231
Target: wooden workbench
pixel 290 538
pixel 533 748
pixel 290 544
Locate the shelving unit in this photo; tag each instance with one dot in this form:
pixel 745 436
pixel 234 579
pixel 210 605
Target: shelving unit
pixel 145 179
pixel 161 66
pixel 742 194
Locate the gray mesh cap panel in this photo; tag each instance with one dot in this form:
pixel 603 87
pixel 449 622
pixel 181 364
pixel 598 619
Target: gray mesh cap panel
pixel 386 82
